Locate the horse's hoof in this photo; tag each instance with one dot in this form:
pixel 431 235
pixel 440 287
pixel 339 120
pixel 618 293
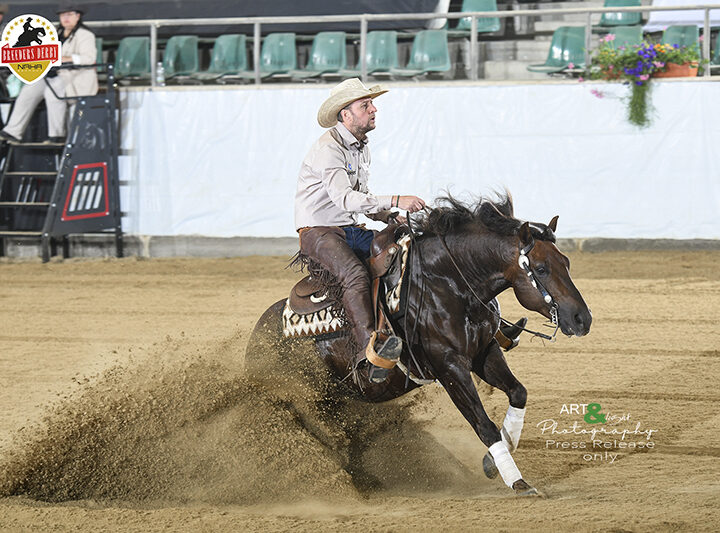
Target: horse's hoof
pixel 521 488
pixel 489 467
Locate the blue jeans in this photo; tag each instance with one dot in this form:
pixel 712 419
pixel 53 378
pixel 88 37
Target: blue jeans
pixel 359 241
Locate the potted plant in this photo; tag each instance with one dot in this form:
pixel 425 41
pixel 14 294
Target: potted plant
pixel 636 65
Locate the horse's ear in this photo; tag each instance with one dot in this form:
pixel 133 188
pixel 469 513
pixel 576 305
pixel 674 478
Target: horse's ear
pixel 553 223
pixel 526 238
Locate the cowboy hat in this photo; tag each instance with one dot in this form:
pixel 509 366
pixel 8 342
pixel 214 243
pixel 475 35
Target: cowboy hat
pixel 64 7
pixel 343 94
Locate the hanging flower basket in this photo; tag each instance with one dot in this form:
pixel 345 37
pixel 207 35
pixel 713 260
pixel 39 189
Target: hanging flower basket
pixel 674 70
pixel 636 65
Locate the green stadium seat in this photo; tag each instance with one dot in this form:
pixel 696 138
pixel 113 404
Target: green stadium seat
pixel 682 35
pixel 278 56
pixel 484 25
pixel 621 19
pixel 568 46
pixel 132 60
pixel 228 59
pixel 98 46
pixel 626 36
pixel 180 58
pixel 381 54
pixel 429 54
pixel 327 55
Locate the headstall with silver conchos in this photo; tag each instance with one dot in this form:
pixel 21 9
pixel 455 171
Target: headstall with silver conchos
pixel 524 263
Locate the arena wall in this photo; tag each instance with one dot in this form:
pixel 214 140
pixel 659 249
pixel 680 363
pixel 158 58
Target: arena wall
pixel 222 162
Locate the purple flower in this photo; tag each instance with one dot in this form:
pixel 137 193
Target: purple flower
pixel 571 65
pixel 597 93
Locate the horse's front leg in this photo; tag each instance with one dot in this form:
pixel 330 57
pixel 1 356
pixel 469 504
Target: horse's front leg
pixel 492 368
pixel 455 377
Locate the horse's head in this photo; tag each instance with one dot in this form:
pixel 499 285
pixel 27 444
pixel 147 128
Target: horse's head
pixel 541 280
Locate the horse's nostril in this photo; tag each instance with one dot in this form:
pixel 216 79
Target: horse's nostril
pixel 578 319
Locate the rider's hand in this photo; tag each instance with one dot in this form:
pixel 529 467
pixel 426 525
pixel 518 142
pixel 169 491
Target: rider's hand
pixel 411 203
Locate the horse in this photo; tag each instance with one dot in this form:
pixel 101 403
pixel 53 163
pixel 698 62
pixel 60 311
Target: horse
pixel 29 36
pixel 461 257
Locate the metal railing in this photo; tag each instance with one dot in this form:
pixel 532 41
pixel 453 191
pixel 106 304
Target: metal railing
pixel 364 19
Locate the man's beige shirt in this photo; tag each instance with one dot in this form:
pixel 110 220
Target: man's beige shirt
pixel 332 186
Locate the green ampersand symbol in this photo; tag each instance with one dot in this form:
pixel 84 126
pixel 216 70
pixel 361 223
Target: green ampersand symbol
pixel 594 416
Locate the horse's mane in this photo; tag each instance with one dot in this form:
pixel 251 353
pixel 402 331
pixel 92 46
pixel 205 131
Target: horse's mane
pixel 497 216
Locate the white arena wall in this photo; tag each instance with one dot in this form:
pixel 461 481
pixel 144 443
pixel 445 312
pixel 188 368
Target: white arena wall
pixel 223 161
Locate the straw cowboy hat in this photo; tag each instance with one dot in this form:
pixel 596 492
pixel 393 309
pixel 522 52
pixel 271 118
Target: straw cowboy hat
pixel 343 94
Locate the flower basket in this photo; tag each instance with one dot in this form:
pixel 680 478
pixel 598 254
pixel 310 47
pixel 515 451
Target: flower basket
pixel 637 65
pixel 673 70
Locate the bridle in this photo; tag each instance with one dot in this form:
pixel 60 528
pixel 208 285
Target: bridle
pixel 524 263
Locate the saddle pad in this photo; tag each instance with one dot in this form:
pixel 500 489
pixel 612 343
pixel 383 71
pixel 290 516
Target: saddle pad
pixel 311 324
pixel 392 296
pixel 328 320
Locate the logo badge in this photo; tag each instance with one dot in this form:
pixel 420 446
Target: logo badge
pixel 30 46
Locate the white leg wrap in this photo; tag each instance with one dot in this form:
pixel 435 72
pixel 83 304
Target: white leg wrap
pixel 504 463
pixel 513 424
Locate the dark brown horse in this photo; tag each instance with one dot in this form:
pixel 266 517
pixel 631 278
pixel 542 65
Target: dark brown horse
pixel 461 258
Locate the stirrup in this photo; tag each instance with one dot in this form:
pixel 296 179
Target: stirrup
pixel 509 336
pixel 383 357
pixel 377 374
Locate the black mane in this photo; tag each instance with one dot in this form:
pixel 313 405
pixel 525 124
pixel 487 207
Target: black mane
pixel 497 216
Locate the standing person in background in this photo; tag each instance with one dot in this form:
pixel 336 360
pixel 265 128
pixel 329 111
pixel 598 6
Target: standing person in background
pixel 4 8
pixel 78 47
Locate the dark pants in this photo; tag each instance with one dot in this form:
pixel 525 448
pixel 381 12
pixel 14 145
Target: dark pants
pixel 339 251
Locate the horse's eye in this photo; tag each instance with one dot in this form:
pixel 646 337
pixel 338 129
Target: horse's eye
pixel 541 270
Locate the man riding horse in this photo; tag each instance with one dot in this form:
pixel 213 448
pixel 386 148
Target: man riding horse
pixel 332 190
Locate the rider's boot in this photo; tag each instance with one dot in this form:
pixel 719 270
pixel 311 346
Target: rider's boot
pixel 382 353
pixel 508 336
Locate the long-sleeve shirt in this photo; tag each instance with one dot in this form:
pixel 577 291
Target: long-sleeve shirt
pixel 332 186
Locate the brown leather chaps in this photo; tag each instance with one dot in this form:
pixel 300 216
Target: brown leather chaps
pixel 327 246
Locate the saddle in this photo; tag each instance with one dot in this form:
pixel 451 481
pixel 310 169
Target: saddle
pixel 309 311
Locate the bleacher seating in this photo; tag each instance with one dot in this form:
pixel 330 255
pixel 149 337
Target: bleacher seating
pixel 180 59
pixel 626 36
pixel 567 47
pixel 621 19
pixel 132 60
pixel 228 60
pixel 429 54
pixel 381 55
pixel 327 56
pixel 430 51
pixel 682 35
pixel 278 56
pixel 484 25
